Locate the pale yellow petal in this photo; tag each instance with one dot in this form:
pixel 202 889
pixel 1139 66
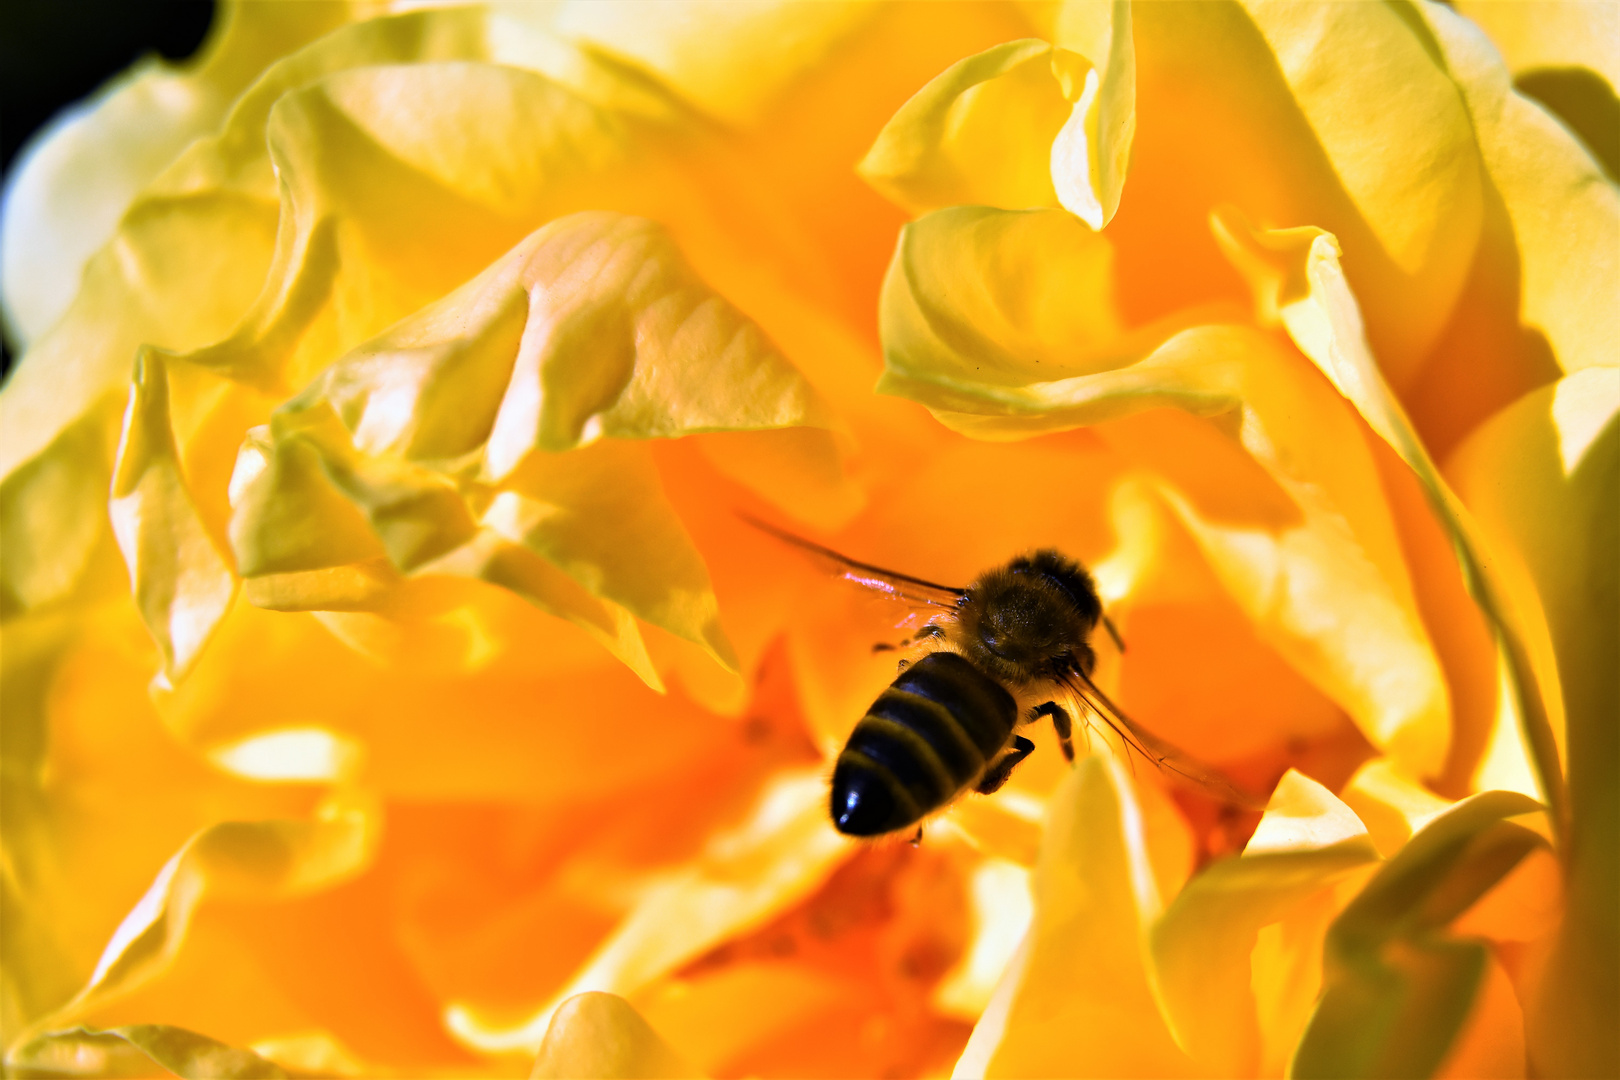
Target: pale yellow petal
pixel 599 515
pixel 135 1049
pixel 1202 944
pixel 184 266
pixel 380 456
pixel 731 60
pixel 55 535
pixel 1322 541
pixel 181 581
pixel 1393 805
pixel 1077 1000
pixel 979 295
pixel 510 564
pixel 1541 479
pixel 258 860
pixel 597 1034
pixel 1565 214
pixel 1398 987
pixel 1333 115
pixel 1092 152
pixel 624 341
pixel 1298 280
pixel 979 133
pixel 66 193
pixel 1535 34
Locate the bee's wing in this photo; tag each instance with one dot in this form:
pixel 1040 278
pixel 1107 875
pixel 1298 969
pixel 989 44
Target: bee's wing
pixel 889 583
pixel 1161 752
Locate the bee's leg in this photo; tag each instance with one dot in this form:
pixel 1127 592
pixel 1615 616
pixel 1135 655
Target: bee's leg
pixel 1002 768
pixel 929 631
pixel 916 837
pixel 1060 724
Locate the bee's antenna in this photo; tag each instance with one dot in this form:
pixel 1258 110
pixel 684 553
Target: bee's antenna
pixel 1113 632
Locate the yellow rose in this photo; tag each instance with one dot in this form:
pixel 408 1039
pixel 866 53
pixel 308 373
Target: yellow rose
pixel 392 684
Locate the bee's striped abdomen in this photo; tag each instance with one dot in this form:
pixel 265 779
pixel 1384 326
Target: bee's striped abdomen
pixel 925 738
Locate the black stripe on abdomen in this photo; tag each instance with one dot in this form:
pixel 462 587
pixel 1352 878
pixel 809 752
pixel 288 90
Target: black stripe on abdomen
pixel 930 734
pixel 931 723
pixel 979 705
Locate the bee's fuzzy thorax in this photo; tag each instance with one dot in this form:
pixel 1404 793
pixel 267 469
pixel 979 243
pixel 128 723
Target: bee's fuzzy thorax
pixel 1018 620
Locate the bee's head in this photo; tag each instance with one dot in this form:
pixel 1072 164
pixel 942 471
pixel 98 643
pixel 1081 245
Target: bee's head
pixel 1021 619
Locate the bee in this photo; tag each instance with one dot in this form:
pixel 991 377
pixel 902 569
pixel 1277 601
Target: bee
pixel 1000 653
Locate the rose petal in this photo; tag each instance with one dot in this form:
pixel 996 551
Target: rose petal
pixel 1002 911
pixel 1540 477
pixel 597 1034
pixel 1090 155
pixel 1560 34
pixel 732 61
pixel 231 859
pixel 599 515
pixel 1321 540
pixel 184 266
pixel 308 1052
pixel 182 583
pixel 1203 943
pixel 1076 999
pixel 778 856
pixel 1263 105
pixel 494 557
pixel 980 295
pixel 624 341
pixel 476 695
pixel 104 800
pixel 65 195
pixel 977 134
pixel 339 482
pixel 1296 273
pixel 1565 213
pixel 1393 805
pixel 1220 705
pixel 746 1009
pixel 128 1051
pixel 1398 988
pixel 1491 1042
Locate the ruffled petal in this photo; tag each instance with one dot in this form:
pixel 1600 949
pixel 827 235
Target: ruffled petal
pixel 1024 124
pixel 1298 281
pixel 1266 106
pixel 1203 944
pixel 1315 538
pixel 1565 214
pixel 65 196
pixel 185 264
pixel 132 1050
pixel 259 859
pixel 182 584
pixel 1540 478
pixel 1077 998
pixel 1393 804
pixel 456 442
pixel 1092 152
pixel 1397 986
pixel 977 134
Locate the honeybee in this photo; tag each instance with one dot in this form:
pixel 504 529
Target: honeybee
pixel 999 654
